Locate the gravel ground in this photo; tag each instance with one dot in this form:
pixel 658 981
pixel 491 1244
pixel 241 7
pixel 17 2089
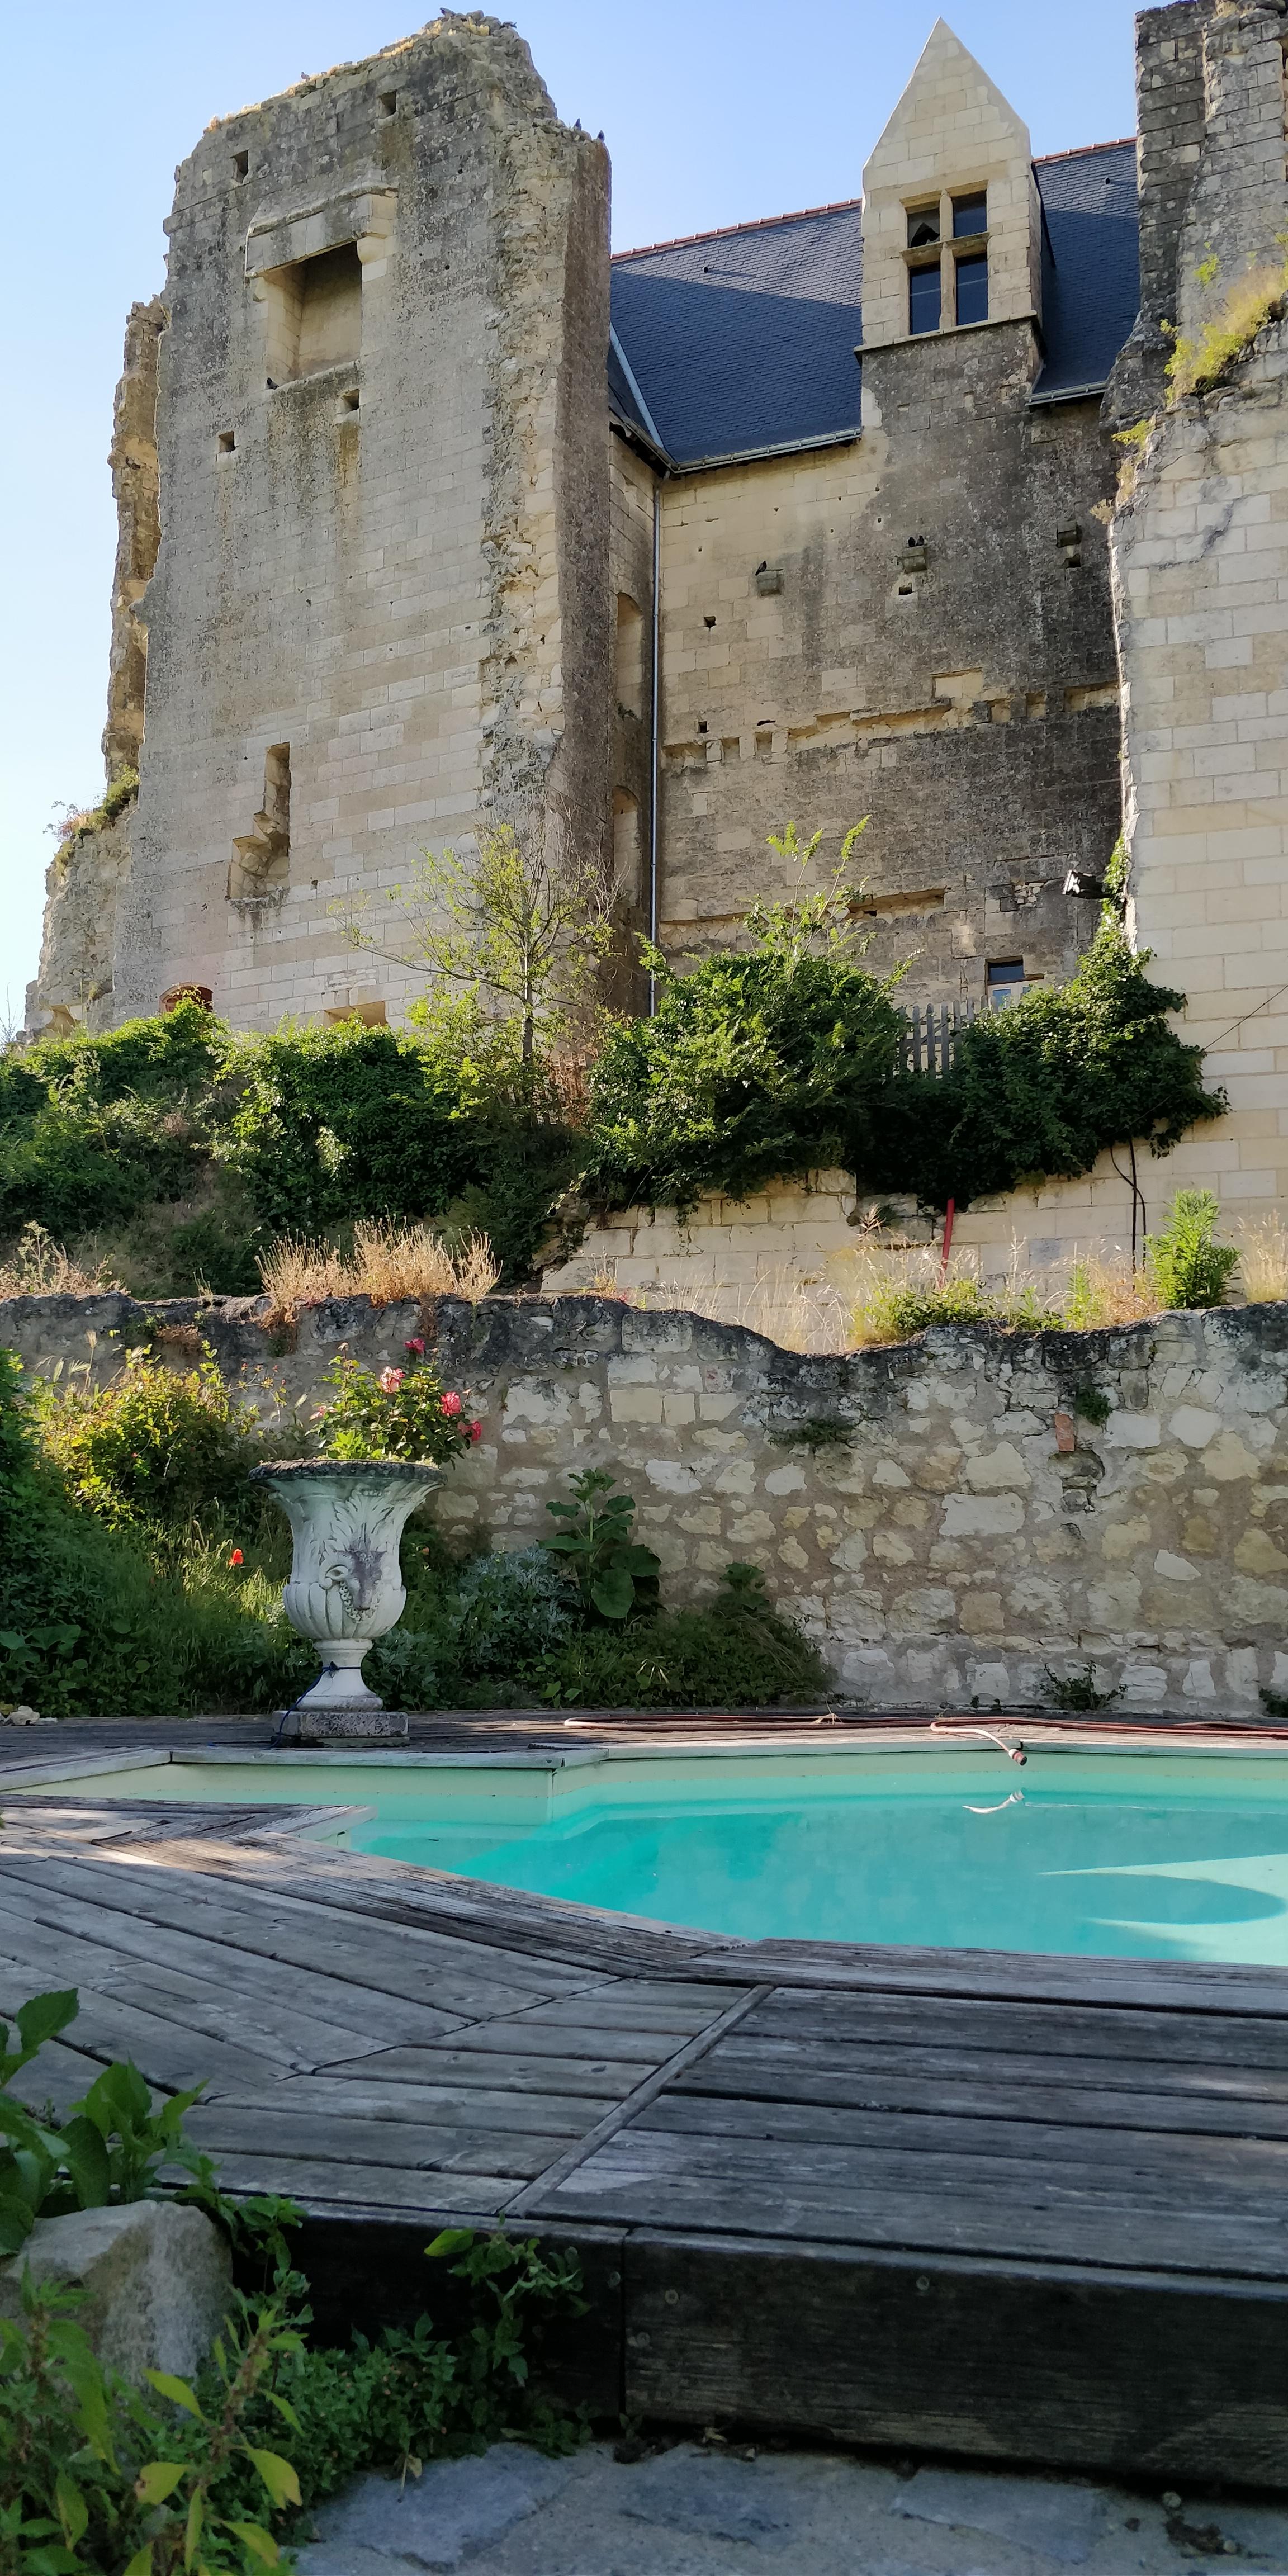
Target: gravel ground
pixel 689 2512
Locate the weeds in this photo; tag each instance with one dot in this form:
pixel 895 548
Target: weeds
pixel 1256 298
pixel 1263 1261
pixel 1187 1267
pixel 39 1267
pixel 388 1263
pixel 1077 1692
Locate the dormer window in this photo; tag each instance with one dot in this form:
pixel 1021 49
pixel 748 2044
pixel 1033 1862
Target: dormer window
pixel 923 226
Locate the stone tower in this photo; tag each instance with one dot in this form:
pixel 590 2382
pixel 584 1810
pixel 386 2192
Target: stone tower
pixel 379 614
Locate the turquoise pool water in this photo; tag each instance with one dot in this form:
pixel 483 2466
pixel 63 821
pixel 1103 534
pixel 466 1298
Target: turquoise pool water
pixel 1091 1853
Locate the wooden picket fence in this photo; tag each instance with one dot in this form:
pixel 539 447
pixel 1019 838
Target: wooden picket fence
pixel 930 1034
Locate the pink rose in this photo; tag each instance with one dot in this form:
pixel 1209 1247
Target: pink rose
pixel 476 1431
pixel 391 1380
pixel 417 1347
pixel 451 1404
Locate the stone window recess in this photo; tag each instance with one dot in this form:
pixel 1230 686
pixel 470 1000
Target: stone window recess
pixel 630 655
pixel 261 860
pixel 923 226
pixel 313 314
pixel 627 854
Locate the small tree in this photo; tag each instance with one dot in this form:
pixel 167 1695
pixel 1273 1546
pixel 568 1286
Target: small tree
pixel 515 924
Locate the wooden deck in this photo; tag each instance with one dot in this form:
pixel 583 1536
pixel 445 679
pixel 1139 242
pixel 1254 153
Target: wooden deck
pixel 1000 2205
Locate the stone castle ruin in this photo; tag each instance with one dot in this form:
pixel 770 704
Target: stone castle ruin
pixel 432 515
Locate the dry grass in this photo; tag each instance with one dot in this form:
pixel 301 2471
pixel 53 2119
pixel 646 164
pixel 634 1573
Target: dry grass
pixel 1263 1260
pixel 807 1315
pixel 1254 299
pixel 1107 1292
pixel 39 1267
pixel 389 1263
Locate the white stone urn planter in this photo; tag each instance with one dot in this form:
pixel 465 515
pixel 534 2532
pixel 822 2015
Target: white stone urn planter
pixel 345 1587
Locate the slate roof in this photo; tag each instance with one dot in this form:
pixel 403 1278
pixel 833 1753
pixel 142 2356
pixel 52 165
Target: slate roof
pixel 743 340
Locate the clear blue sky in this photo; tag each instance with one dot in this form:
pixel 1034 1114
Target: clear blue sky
pixel 712 112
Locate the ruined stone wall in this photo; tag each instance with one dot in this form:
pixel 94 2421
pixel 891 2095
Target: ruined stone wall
pixel 379 614
pixel 940 1516
pixel 633 485
pixel 84 886
pixel 85 881
pixel 962 692
pixel 136 490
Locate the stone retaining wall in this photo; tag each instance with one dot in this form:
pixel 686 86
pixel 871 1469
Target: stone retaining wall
pixel 941 1516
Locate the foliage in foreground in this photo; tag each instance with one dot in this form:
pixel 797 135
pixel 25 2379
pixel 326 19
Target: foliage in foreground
pixel 144 1570
pixel 179 1152
pixel 98 2478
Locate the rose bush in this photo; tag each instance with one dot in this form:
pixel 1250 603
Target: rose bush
pixel 401 1413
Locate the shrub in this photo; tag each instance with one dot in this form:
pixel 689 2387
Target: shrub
pixel 153 1450
pixel 753 1067
pixel 1045 1086
pixel 738 1653
pixel 1187 1267
pixel 125 1619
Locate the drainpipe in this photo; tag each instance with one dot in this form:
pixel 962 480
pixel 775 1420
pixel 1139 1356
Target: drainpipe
pixel 655 744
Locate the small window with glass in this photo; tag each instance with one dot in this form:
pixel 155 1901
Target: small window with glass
pixel 924 299
pixel 1006 980
pixel 970 214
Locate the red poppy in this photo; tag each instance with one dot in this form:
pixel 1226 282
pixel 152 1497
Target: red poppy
pixel 236 1558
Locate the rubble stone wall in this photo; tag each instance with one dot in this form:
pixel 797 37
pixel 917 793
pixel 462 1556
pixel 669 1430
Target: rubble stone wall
pixel 948 1518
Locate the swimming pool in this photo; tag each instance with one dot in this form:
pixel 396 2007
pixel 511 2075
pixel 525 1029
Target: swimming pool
pixel 1134 1854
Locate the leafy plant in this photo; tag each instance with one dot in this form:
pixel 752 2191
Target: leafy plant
pixel 737 1653
pixel 1091 1403
pixel 401 1413
pixel 1077 1691
pixel 613 1574
pixel 108 2147
pixel 1187 1266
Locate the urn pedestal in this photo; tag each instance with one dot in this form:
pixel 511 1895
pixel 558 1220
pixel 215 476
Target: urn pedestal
pixel 345 1588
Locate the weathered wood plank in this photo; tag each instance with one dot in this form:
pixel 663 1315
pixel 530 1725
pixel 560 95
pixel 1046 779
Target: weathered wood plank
pixel 409 2109
pixel 1161 1985
pixel 320 2139
pixel 1115 2370
pixel 790 2068
pixel 332 2017
pixel 322 1937
pixel 629 2005
pixel 1193 2037
pixel 893 2080
pixel 655 2178
pixel 229 1994
pixel 476 2196
pixel 1119 2158
pixel 520 2071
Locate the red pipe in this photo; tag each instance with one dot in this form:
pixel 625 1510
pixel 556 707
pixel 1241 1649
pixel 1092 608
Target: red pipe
pixel 949 1213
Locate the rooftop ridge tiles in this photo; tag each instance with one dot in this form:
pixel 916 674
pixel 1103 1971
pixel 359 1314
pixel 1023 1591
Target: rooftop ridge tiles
pixel 755 224
pixel 840 206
